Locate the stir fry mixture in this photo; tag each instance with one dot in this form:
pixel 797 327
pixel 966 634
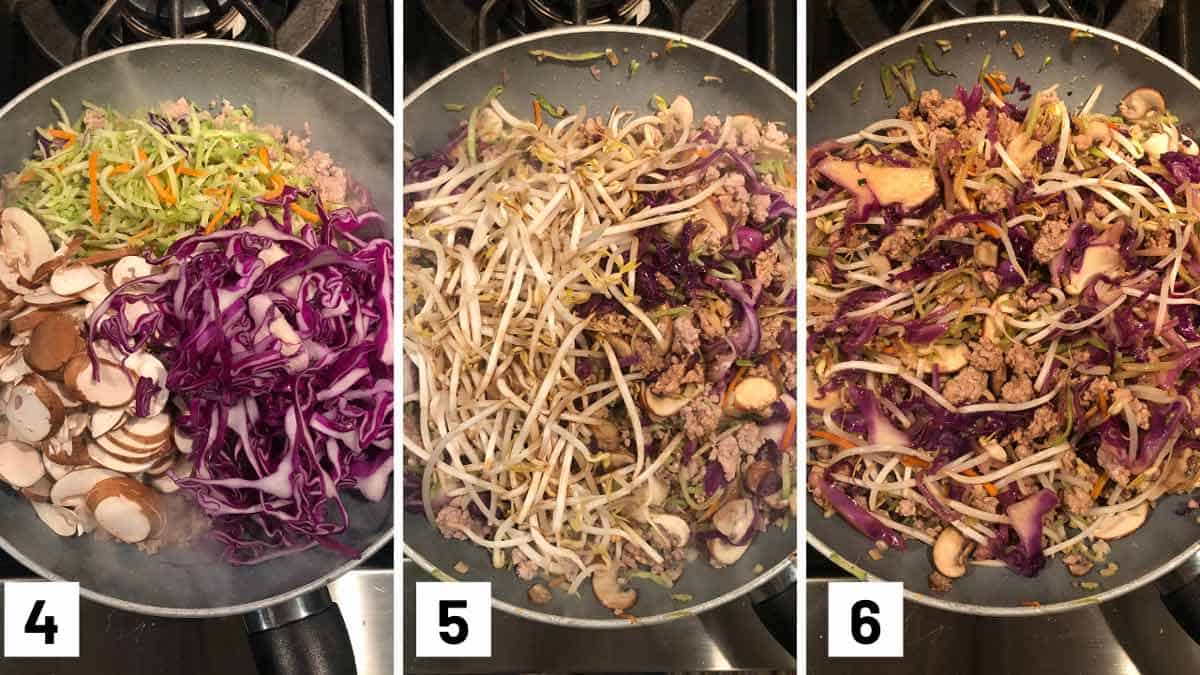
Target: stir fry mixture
pixel 599 341
pixel 1003 313
pixel 233 384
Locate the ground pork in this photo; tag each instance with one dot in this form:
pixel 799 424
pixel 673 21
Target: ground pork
pixel 94 119
pixel 452 518
pixel 994 199
pixel 1093 391
pixel 760 207
pixel 768 267
pixel 1051 239
pixel 177 109
pixel 687 336
pixel 814 487
pixel 729 456
pixel 1182 470
pixel 986 356
pixel 708 240
pixel 942 112
pixel 329 180
pixel 1112 459
pixel 968 386
pixel 679 373
pixel 900 245
pixel 1017 390
pixel 612 322
pixel 700 417
pixel 1022 359
pixel 1045 420
pixel 771 328
pixel 1077 499
pixel 732 197
pixel 748 438
pixel 712 124
pixel 648 355
pixel 526 568
pixel 1028 303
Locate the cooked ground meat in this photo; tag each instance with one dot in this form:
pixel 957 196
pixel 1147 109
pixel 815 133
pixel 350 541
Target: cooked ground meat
pixel 968 386
pixel 700 417
pixel 526 568
pixel 452 518
pixel 760 207
pixel 732 197
pixel 768 267
pixel 687 336
pixel 995 198
pixel 1051 240
pixel 747 437
pixel 900 245
pixel 1022 360
pixel 986 356
pixel 670 382
pixel 713 315
pixel 728 456
pixel 942 112
pixel 771 328
pixel 1017 390
pixel 1077 565
pixel 539 594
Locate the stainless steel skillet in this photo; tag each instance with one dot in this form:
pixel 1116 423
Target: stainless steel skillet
pixel 745 88
pixel 1167 541
pixel 277 595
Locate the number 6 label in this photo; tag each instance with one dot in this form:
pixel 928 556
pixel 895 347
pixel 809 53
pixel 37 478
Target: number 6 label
pixel 454 619
pixel 41 618
pixel 866 618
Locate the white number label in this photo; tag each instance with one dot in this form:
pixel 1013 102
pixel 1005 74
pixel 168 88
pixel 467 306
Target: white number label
pixel 41 618
pixel 454 619
pixel 866 618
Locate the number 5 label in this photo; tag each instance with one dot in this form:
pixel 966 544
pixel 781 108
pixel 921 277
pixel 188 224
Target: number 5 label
pixel 866 618
pixel 454 619
pixel 41 618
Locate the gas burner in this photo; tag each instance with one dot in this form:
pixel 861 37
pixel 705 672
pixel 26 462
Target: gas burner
pixel 153 20
pixel 870 21
pixel 71 29
pixel 592 12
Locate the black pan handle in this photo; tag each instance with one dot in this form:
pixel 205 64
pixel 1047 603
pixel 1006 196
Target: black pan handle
pixel 775 604
pixel 304 636
pixel 1180 590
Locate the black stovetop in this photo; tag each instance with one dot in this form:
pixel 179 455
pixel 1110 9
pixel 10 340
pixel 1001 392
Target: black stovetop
pixel 838 29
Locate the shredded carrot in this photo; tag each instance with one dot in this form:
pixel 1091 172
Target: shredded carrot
pixel 139 235
pixel 276 189
pixel 703 152
pixel 915 462
pixel 264 156
pixel 216 219
pixel 68 136
pixel 213 192
pixel 840 441
pixel 156 182
pixel 121 168
pixel 990 230
pixel 537 113
pixel 732 383
pixel 1098 486
pixel 185 170
pixel 28 177
pixel 94 185
pixel 789 432
pixel 305 213
pixel 990 489
pixel 1103 403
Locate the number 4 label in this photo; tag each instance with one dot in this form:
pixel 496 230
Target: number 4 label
pixel 866 618
pixel 454 619
pixel 41 618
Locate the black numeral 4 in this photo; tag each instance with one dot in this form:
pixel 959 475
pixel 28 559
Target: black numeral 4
pixel 47 627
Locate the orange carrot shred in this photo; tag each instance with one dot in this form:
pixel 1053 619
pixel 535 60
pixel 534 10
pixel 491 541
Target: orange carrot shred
pixel 840 441
pixel 276 189
pixel 121 168
pixel 537 113
pixel 94 185
pixel 990 230
pixel 789 432
pixel 732 383
pixel 915 462
pixel 185 170
pixel 216 219
pixel 1098 486
pixel 264 156
pixel 990 489
pixel 305 213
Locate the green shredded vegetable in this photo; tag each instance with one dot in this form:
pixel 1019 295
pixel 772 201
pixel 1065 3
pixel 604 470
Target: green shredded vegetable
pixel 983 69
pixel 569 57
pixel 1045 63
pixel 929 64
pixel 634 64
pixel 453 107
pixel 151 187
pixel 651 576
pixel 856 95
pixel 681 597
pixel 885 77
pixel 549 108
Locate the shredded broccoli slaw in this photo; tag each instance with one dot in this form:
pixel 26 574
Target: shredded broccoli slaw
pixel 148 180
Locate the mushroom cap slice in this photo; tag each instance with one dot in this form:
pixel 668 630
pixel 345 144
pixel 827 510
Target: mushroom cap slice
pixel 182 441
pixel 147 365
pixel 26 244
pixel 722 553
pixel 115 388
pixel 734 518
pixel 154 429
pixel 59 519
pixel 126 509
pixel 34 411
pixel 20 464
pixel 755 393
pixel 52 343
pixel 74 278
pixel 675 528
pixel 609 592
pixel 55 470
pixel 72 489
pixel 14 367
pixel 1118 525
pixel 28 319
pixel 115 462
pixel 104 420
pixel 129 268
pixel 949 552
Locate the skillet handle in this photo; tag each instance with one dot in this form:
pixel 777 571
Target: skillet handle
pixel 775 604
pixel 1180 590
pixel 304 636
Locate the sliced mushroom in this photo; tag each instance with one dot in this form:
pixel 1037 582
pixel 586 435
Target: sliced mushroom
pixel 755 393
pixel 681 110
pixel 39 491
pixel 609 592
pixel 1142 103
pixel 1097 260
pixel 909 187
pixel 183 442
pixel 14 368
pixel 25 241
pixel 539 594
pixel 34 411
pixel 122 447
pixel 153 430
pixel 104 420
pixel 663 406
pixel 114 389
pixel 1118 525
pixel 28 319
pixel 950 551
pixel 947 358
pixel 675 528
pixel 97 293
pixel 86 521
pixel 72 488
pixel 653 492
pixel 180 468
pixel 708 213
pixel 129 268
pixel 104 458
pixel 126 509
pixel 68 400
pixel 55 470
pixel 815 399
pixel 722 553
pixel 61 520
pixel 68 451
pixel 20 464
pixel 734 518
pixel 74 278
pixel 762 473
pixel 134 311
pixel 44 297
pixel 52 343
